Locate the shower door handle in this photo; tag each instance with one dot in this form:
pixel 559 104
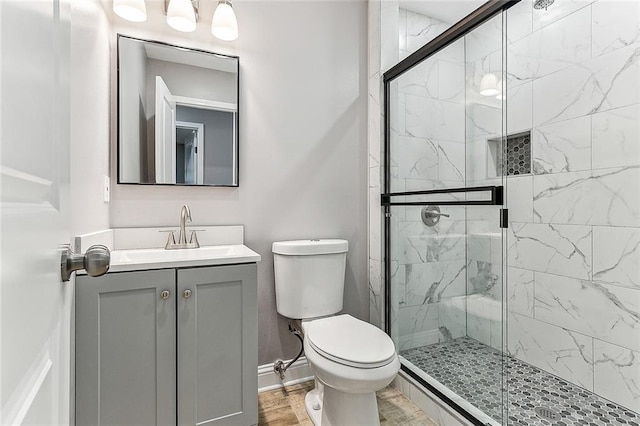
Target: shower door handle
pixel 496 197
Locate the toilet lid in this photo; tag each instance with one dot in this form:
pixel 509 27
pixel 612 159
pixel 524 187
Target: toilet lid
pixel 349 341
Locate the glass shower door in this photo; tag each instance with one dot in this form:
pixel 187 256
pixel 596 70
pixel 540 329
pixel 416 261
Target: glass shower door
pixel 444 255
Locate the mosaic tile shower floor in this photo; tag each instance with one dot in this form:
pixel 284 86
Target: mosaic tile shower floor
pixel 472 370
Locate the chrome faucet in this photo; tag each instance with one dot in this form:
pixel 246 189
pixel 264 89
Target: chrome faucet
pixel 185 217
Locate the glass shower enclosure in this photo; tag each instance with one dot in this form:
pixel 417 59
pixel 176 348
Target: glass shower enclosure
pixel 443 206
pixel 498 252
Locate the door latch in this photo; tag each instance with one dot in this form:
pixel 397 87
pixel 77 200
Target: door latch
pixel 95 261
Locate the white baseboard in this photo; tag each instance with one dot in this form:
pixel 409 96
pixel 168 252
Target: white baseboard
pixel 298 372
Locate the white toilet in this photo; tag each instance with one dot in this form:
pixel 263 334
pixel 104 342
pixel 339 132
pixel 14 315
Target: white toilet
pixel 351 359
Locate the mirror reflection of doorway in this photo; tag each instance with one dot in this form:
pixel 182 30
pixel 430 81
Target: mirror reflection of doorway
pixel 189 153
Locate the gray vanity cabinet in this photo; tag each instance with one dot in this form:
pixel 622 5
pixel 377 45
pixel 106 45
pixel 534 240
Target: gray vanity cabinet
pixel 186 356
pixel 217 346
pixel 125 349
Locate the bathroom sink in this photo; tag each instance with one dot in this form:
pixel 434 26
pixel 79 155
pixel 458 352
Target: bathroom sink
pixel 130 260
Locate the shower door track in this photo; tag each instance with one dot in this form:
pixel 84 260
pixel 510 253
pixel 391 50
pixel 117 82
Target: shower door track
pixel 455 32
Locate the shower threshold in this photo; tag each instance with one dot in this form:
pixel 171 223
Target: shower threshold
pixel 473 371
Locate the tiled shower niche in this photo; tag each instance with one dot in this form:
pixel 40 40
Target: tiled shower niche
pixel 518 155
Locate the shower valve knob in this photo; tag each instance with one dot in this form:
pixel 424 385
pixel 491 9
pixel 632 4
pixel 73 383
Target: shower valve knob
pixel 431 215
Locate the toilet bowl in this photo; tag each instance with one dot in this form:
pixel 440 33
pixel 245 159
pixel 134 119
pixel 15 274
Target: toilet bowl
pixel 350 359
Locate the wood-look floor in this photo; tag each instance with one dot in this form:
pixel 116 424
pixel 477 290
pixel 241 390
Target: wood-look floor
pixel 285 407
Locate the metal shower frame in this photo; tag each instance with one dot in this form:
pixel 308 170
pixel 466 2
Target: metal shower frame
pixel 485 12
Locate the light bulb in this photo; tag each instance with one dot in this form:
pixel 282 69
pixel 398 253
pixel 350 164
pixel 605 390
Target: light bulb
pixel 181 15
pixel 131 10
pixel 224 25
pixel 489 85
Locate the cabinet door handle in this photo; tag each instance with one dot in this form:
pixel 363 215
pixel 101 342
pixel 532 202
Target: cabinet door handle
pixel 165 294
pixel 186 294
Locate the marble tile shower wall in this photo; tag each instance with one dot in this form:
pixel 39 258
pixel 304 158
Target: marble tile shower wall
pixel 483 124
pixel 428 263
pixel 374 136
pixel 573 78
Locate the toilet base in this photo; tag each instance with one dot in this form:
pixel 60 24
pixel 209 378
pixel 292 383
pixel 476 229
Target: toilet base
pixel 339 408
pixel 313 405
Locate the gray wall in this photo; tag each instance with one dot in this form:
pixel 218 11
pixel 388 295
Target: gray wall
pixel 303 147
pixel 89 109
pixel 202 83
pixel 218 138
pixel 133 95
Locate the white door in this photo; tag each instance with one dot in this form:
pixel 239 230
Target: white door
pixel 35 306
pixel 189 159
pixel 194 152
pixel 165 133
pixel 198 143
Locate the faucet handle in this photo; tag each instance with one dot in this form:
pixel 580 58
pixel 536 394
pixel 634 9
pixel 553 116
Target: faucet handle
pixel 193 240
pixel 171 239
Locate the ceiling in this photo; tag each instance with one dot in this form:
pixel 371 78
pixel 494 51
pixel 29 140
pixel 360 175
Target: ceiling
pixel 190 57
pixel 449 11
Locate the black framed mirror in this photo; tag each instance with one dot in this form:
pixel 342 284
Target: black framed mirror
pixel 177 115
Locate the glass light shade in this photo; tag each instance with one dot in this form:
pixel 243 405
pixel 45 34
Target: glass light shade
pixel 181 15
pixel 489 85
pixel 501 94
pixel 131 10
pixel 224 25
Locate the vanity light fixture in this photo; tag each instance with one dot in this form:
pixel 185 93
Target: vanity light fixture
pixel 489 85
pixel 224 25
pixel 131 10
pixel 182 15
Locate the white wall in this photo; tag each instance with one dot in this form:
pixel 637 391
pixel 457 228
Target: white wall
pixel 303 152
pixel 89 98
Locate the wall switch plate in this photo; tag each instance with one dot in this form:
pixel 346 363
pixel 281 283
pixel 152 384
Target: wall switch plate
pixel 107 189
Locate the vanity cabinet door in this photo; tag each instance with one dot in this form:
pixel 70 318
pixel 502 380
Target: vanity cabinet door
pixel 125 349
pixel 217 346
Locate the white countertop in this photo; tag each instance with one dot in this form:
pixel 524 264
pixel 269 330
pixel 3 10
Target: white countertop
pixel 142 259
pixel 137 249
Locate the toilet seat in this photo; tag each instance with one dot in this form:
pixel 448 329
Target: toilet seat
pixel 351 342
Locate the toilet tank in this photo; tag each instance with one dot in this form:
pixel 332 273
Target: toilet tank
pixel 309 277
